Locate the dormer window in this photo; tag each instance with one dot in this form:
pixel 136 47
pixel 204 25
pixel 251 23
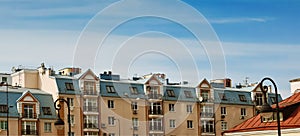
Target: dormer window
pixel 133 90
pixel 69 86
pixel 204 95
pixel 110 89
pixel 242 98
pixel 222 96
pixel 46 110
pixel 170 93
pixel 3 108
pixel 272 118
pixel 188 94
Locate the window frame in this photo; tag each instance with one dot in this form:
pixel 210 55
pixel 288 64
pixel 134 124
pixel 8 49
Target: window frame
pixel 47 128
pixel 111 104
pixel 223 111
pixel 243 112
pixel 170 93
pixel 110 89
pixel 188 94
pixel 189 108
pixel 242 98
pixel 172 123
pixel 69 86
pixel 190 124
pixel 133 90
pixel 224 125
pixel 171 107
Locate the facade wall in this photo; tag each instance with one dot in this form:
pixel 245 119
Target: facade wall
pixel 295 86
pixel 123 114
pixel 42 131
pixel 233 116
pixel 181 116
pixel 7 77
pixel 13 127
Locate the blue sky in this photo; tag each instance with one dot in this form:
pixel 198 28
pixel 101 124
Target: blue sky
pixel 259 37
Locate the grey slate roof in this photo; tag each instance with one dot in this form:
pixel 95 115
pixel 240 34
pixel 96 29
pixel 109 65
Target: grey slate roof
pixel 232 97
pixel 61 85
pixel 179 93
pixel 44 99
pixel 122 89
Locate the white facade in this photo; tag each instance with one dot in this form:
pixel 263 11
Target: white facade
pixel 295 85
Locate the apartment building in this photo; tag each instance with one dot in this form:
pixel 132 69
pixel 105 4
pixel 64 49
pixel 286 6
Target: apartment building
pixel 123 107
pixel 28 111
pixel 180 110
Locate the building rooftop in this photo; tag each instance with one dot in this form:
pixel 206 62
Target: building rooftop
pixel 291 118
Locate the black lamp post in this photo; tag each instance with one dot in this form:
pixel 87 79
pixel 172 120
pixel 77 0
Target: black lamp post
pixel 59 124
pixel 7 110
pixel 266 110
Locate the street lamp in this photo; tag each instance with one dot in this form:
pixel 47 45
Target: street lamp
pixel 266 110
pixel 7 112
pixel 59 124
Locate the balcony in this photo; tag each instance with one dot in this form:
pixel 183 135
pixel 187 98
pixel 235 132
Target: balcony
pixel 156 128
pixel 90 125
pixel 89 92
pixel 90 108
pixel 206 115
pixel 29 116
pixel 155 112
pixel 29 132
pixel 154 96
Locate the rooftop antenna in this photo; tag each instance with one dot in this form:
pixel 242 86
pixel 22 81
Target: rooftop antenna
pixel 246 81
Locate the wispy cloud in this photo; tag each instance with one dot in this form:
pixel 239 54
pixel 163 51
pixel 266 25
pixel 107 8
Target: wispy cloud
pixel 240 20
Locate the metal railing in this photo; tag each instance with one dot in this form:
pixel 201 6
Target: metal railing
pixel 90 108
pixel 29 132
pixel 29 116
pixel 91 125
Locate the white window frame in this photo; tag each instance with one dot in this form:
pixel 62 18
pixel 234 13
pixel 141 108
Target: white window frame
pixel 70 102
pixel 111 121
pixel 190 124
pixel 224 125
pixel 243 111
pixel 48 127
pixel 172 107
pixel 111 104
pixel 189 108
pixel 223 111
pixel 134 105
pixel 135 122
pixel 172 123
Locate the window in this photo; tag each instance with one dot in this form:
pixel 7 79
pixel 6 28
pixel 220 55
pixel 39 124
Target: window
pixel 90 121
pixel 133 90
pixel 156 124
pixel 222 96
pixel 172 123
pixel 111 104
pixel 170 93
pixel 207 126
pixel 69 86
pixel 72 134
pixel 110 89
pixel 3 108
pixel 171 107
pixel 72 119
pixel 223 111
pixel 47 127
pixel 46 110
pixel 135 134
pixel 224 125
pixel 273 100
pixel 3 125
pixel 188 94
pixel 207 111
pixel 243 112
pixel 134 105
pixel 90 104
pixel 89 88
pixel 189 108
pixel 71 102
pixel 242 98
pixel 28 111
pixel 111 121
pixel 29 128
pixel 135 122
pixel 273 117
pixel 259 99
pixel 204 95
pixel 111 134
pixel 155 108
pixel 4 79
pixel 189 124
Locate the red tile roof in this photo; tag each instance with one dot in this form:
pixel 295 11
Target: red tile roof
pixel 254 123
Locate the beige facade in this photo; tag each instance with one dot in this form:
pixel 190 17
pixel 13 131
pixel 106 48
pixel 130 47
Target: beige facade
pixel 176 121
pixel 231 116
pixel 119 118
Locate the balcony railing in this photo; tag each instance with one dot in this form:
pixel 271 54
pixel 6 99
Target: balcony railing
pixel 91 125
pixel 29 116
pixel 29 132
pixel 155 112
pixel 90 92
pixel 154 96
pixel 156 128
pixel 90 108
pixel 206 115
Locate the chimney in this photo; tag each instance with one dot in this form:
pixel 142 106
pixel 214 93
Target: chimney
pixel 227 82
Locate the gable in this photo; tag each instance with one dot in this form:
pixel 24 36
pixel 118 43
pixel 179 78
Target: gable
pixel 204 84
pixel 27 97
pixel 153 81
pixel 89 74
